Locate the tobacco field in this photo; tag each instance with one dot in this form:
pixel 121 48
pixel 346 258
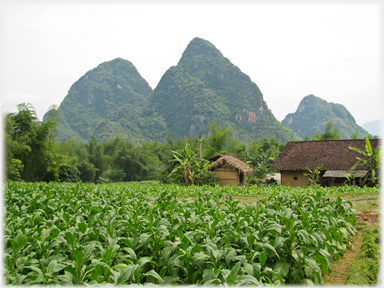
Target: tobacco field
pixel 86 234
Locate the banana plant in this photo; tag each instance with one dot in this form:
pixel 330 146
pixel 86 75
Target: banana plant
pixel 371 160
pixel 184 161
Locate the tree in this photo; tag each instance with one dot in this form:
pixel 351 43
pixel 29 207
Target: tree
pixel 69 173
pixel 372 161
pixel 87 171
pixel 237 148
pixel 27 141
pixel 184 160
pixel 329 133
pixel 260 164
pixel 217 141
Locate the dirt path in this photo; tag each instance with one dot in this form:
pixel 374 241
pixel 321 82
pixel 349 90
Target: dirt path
pixel 341 269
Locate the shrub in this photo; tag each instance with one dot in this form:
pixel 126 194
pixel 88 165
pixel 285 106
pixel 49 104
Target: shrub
pixel 205 177
pixel 87 171
pixel 68 173
pixel 117 175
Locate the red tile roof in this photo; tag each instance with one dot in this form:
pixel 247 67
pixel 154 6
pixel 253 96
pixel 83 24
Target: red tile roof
pixel 334 154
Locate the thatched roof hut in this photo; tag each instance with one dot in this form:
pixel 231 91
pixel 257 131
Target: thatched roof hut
pixel 229 169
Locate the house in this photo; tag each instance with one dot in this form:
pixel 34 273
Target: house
pixel 229 169
pixel 335 156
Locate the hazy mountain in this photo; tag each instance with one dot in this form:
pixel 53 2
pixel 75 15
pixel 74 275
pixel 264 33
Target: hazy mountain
pixel 313 113
pixel 373 127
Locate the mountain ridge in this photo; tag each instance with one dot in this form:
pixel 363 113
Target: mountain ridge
pixel 205 87
pixel 313 113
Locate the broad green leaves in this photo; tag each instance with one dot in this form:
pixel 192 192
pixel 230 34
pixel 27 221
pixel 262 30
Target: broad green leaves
pixel 71 234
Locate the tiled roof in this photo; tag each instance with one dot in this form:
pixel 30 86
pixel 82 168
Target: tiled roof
pixel 334 154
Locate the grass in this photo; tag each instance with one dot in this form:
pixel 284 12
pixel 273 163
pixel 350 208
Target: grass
pixel 365 269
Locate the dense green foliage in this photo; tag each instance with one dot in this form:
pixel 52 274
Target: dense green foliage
pixel 313 114
pixel 371 159
pixel 365 270
pixel 105 103
pixel 329 133
pixel 113 100
pixel 205 87
pixel 73 234
pixel 28 143
pixel 115 160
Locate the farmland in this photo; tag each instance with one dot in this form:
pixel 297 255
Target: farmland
pixel 74 234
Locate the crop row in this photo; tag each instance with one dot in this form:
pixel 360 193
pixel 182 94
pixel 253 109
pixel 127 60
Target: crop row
pixel 88 234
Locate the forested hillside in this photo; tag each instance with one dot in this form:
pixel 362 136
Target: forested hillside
pixel 205 87
pixel 313 114
pixel 113 100
pixel 104 103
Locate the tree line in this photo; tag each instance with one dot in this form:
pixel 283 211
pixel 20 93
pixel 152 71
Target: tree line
pixel 34 154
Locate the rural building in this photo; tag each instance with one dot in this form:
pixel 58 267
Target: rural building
pixel 229 169
pixel 335 156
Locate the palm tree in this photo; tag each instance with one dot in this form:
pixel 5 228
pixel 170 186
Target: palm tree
pixel 372 161
pixel 185 160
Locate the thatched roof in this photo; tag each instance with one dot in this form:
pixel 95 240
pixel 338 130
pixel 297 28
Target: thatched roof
pixel 334 154
pixel 231 161
pixel 214 158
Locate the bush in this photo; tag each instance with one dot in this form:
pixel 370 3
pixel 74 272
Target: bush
pixel 117 175
pixel 205 177
pixel 68 173
pixel 161 173
pixel 87 171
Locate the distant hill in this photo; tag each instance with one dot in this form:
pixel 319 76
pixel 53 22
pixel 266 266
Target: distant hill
pixel 313 113
pixel 105 102
pixel 373 128
pixel 204 87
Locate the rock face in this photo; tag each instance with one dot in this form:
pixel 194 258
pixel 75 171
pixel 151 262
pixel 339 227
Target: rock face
pixel 313 113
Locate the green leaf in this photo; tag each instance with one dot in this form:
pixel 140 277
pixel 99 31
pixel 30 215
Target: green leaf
pixel 263 258
pixel 282 268
pixel 246 279
pixel 153 274
pixel 248 268
pixel 127 274
pixel 78 257
pixel 279 241
pixel 209 274
pixel 304 236
pixel 55 267
pixel 83 227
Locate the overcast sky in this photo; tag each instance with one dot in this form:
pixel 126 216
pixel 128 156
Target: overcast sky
pixel 289 49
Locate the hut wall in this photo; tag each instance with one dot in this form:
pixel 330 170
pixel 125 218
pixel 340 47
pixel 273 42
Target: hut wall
pixel 294 178
pixel 227 176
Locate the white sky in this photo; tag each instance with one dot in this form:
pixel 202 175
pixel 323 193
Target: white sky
pixel 289 49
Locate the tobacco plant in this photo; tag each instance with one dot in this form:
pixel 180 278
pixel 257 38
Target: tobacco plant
pixel 85 234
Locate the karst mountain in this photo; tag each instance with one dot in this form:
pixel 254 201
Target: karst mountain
pixel 113 99
pixel 313 113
